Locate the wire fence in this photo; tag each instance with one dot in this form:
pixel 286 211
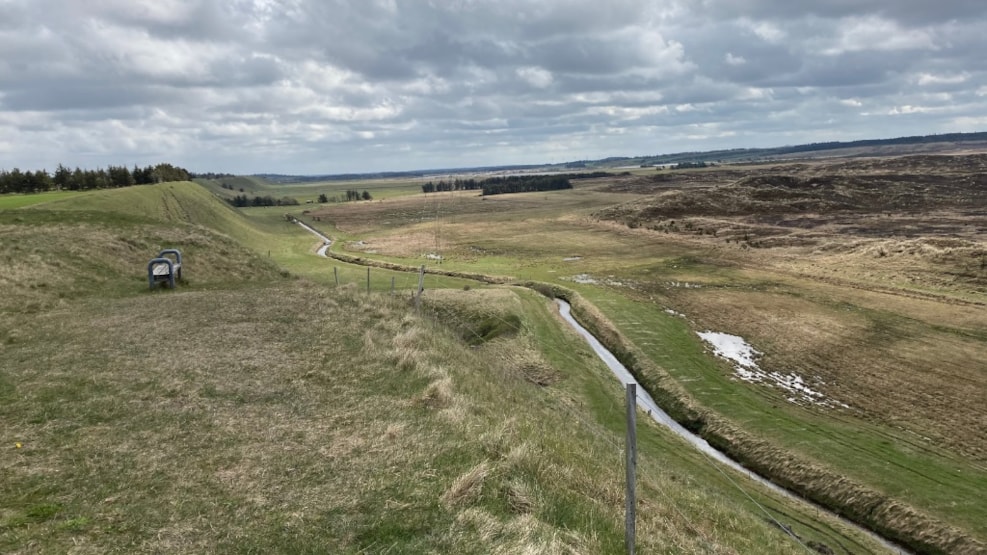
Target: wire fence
pixel 613 440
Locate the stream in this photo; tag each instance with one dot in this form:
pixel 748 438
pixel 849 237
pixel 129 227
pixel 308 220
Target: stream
pixel 648 404
pixel 326 242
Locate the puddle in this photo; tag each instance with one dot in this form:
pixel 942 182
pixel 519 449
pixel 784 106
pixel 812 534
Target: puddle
pixel 584 279
pixel 685 285
pixel 735 349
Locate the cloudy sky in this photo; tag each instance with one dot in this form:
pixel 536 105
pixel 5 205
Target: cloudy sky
pixel 331 86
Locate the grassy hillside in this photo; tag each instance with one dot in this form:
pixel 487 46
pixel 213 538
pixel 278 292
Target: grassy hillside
pixel 246 412
pixel 9 202
pixel 94 245
pixel 173 203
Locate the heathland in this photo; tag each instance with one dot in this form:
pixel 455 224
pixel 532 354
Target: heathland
pixel 271 403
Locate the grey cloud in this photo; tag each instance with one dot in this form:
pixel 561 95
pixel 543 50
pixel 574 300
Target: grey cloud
pixel 57 96
pixel 306 85
pixel 733 53
pixel 912 12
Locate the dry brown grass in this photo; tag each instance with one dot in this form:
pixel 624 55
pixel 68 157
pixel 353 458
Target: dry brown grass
pixel 879 509
pixel 860 358
pixel 521 535
pixel 248 398
pixel 467 488
pixel 269 424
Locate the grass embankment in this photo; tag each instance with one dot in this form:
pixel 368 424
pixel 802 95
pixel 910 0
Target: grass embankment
pixel 247 412
pixel 871 348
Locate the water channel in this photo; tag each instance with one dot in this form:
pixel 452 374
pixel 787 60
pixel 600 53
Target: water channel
pixel 648 404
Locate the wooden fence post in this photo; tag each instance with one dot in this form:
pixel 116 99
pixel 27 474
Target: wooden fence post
pixel 421 287
pixel 631 466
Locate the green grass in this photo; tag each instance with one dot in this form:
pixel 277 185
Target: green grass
pixel 293 248
pixel 10 202
pixel 91 245
pixel 252 413
pixel 172 203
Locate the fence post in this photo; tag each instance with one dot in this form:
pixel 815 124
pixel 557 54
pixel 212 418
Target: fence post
pixel 631 466
pixel 421 287
pixel 335 272
pixel 368 279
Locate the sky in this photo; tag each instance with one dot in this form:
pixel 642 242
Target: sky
pixel 339 86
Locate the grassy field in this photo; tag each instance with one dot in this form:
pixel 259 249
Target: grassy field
pixel 906 356
pixel 9 202
pixel 260 408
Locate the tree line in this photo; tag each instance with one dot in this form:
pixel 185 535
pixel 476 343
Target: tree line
pixel 243 200
pixel 690 165
pixel 453 185
pixel 352 194
pixel 512 183
pixel 524 184
pixel 65 179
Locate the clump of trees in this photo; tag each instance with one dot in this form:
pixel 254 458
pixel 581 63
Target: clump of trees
pixel 243 200
pixel 512 183
pixel 350 195
pixel 65 179
pixel 690 165
pixel 211 175
pixel 524 184
pixel 452 185
pixel 353 194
